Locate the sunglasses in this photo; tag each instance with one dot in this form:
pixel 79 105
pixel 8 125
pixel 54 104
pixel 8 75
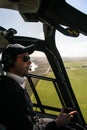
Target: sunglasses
pixel 25 58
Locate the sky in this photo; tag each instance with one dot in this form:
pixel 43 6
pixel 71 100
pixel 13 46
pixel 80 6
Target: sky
pixel 67 46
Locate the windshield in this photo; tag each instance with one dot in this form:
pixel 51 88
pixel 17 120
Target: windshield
pixel 74 55
pixel 12 19
pixel 81 5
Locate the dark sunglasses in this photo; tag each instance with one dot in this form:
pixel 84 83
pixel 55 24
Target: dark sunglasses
pixel 26 58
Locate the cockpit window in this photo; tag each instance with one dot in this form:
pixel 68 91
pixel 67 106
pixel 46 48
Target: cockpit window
pixel 81 5
pixel 12 19
pixel 74 55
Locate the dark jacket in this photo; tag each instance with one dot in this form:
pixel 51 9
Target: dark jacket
pixel 15 111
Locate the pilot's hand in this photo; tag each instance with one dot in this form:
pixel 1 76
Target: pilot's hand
pixel 64 118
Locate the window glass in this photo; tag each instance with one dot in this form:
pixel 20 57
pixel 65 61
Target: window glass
pixel 47 95
pixel 79 4
pixel 40 65
pixel 44 85
pixel 12 19
pixel 74 55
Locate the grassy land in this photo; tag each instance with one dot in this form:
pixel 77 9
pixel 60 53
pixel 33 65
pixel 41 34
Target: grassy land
pixel 77 72
pixel 78 78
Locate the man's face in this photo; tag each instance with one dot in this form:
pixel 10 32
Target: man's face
pixel 22 64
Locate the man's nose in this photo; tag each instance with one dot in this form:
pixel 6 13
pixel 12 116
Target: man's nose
pixel 29 62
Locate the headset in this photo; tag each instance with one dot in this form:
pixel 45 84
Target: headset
pixel 8 60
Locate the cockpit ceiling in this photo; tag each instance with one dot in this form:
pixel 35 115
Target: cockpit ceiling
pixel 29 6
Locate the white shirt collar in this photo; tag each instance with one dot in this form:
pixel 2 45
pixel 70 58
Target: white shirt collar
pixel 18 79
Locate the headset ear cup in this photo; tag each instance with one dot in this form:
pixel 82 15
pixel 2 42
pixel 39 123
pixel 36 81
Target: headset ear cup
pixel 7 60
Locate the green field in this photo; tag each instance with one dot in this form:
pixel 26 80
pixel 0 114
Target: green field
pixel 77 73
